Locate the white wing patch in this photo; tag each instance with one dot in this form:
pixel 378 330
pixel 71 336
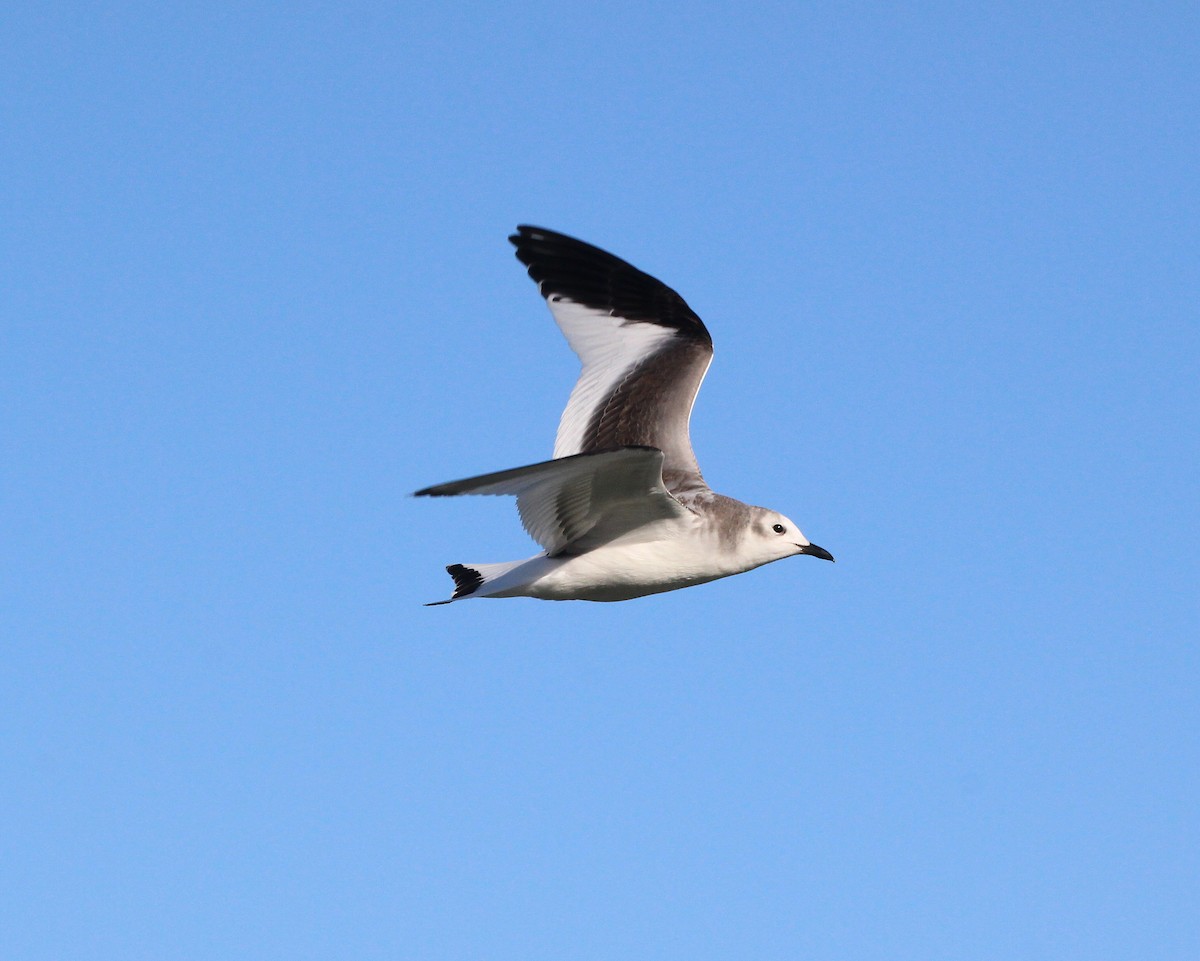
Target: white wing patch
pixel 609 348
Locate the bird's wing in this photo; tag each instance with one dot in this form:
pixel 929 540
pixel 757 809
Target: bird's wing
pixel 595 496
pixel 644 352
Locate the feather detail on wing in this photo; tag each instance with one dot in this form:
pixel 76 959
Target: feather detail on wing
pixel 574 503
pixel 644 352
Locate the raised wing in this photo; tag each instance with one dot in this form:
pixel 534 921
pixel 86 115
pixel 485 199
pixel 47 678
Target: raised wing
pixel 644 352
pixel 573 503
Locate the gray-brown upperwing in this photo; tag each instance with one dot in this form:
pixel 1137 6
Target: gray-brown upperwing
pixel 643 349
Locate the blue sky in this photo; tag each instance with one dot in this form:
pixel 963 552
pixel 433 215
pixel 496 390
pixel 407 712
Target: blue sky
pixel 256 289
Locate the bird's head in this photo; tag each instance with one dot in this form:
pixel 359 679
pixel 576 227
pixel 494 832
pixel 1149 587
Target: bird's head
pixel 774 537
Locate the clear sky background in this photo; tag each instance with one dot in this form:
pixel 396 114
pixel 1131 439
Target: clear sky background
pixel 255 290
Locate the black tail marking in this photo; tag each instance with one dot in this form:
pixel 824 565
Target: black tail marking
pixel 467 580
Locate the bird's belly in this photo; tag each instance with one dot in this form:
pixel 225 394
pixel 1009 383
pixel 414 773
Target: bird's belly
pixel 619 572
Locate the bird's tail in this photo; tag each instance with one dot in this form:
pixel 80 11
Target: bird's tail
pixel 473 580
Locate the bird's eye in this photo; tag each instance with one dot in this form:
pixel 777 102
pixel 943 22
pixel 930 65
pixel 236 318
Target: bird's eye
pixel 778 528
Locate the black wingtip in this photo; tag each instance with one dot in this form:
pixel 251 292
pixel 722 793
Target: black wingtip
pixel 528 232
pixel 525 234
pixel 568 267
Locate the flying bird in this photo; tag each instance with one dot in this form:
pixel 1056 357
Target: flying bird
pixel 622 510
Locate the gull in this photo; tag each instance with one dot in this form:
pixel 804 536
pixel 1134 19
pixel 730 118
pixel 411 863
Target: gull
pixel 621 511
